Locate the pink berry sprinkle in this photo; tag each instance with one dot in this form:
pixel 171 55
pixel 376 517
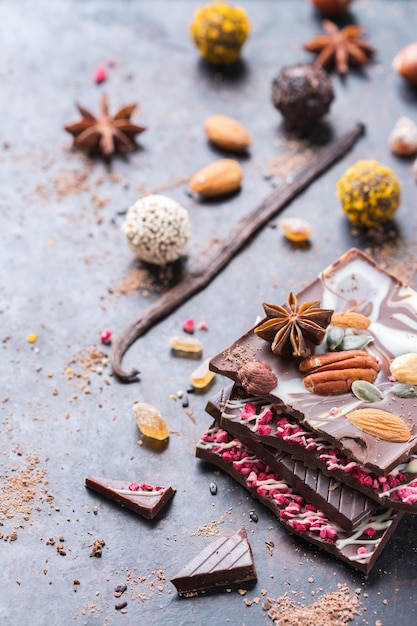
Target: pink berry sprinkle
pixel 105 336
pixel 202 326
pixel 111 62
pixel 133 487
pixel 333 411
pixel 392 379
pixel 362 550
pixel 189 325
pixel 100 75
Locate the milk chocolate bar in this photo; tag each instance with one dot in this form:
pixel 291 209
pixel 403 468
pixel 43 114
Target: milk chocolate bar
pixel 359 548
pixel 353 282
pixel 257 421
pixel 342 504
pixel 226 561
pixel 142 498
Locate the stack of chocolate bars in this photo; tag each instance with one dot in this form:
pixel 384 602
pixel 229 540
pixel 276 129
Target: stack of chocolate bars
pixel 319 423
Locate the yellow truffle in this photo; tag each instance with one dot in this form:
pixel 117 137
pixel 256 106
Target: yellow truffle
pixel 370 193
pixel 219 31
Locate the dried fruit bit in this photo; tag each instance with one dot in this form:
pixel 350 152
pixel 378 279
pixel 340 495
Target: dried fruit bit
pixel 302 93
pixel 105 336
pixel 257 378
pixel 150 421
pixel 218 178
pixel 226 133
pixel 189 325
pixel 331 7
pixel 404 368
pixel 202 377
pixel 156 229
pixel 100 75
pixel 219 30
pixel 32 338
pixel 350 319
pixel 186 346
pixel 403 137
pixel 380 424
pixel 370 193
pixel 295 229
pixel 405 63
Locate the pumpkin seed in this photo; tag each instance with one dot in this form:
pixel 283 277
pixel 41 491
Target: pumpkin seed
pixel 356 342
pixel 402 390
pixel 366 391
pixel 334 337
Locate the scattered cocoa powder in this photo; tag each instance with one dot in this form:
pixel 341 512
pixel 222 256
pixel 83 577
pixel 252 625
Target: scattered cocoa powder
pixel 332 609
pixel 137 279
pixel 22 489
pixel 209 530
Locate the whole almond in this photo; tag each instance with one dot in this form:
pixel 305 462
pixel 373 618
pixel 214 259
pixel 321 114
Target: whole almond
pixel 380 424
pixel 350 319
pixel 218 178
pixel 226 133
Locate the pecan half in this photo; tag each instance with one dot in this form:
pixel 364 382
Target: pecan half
pixel 333 373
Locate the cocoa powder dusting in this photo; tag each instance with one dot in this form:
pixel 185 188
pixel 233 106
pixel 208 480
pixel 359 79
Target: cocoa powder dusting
pixel 332 609
pixel 21 490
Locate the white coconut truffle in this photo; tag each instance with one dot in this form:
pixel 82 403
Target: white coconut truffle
pixel 156 229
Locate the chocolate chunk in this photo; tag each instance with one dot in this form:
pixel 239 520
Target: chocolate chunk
pixel 359 548
pixel 226 561
pixel 141 498
pixel 355 281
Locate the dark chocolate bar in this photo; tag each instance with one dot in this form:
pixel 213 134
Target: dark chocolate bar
pixel 359 548
pixel 354 281
pixel 226 561
pixel 257 421
pixel 339 502
pixel 142 498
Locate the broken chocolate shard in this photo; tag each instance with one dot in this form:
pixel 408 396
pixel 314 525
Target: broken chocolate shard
pixel 141 498
pixel 353 282
pixel 226 561
pixel 359 548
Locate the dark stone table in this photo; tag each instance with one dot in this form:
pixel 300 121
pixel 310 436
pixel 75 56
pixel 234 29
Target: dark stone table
pixel 66 274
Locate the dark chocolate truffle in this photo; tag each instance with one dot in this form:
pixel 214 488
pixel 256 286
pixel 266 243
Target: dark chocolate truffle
pixel 302 93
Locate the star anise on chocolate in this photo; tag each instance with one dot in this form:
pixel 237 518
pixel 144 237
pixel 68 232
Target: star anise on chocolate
pixel 105 134
pixel 293 329
pixel 340 47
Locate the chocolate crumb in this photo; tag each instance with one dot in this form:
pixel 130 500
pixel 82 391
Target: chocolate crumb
pixel 213 488
pixel 120 606
pixel 98 546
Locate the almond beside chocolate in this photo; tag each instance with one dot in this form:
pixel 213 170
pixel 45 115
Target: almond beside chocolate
pixel 257 378
pixel 218 178
pixel 226 133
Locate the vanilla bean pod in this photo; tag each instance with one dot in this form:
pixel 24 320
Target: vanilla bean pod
pixel 228 247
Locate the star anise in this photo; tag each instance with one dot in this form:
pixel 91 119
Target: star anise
pixel 293 329
pixel 340 47
pixel 105 134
